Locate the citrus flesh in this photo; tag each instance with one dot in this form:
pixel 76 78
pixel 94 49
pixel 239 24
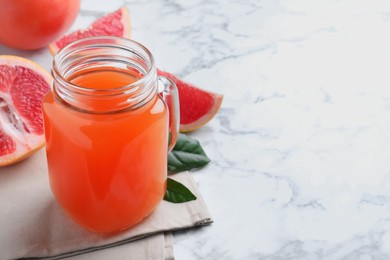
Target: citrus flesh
pixel 113 24
pixel 197 106
pixel 23 85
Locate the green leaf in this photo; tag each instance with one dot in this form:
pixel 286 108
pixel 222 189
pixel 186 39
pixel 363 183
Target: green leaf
pixel 177 192
pixel 186 155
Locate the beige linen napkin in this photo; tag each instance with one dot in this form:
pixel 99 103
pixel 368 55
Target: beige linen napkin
pixel 32 225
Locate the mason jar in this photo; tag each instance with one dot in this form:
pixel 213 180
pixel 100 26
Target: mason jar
pixel 109 124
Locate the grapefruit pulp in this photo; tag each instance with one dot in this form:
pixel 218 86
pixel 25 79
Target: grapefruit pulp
pixel 23 85
pixel 113 24
pixel 197 106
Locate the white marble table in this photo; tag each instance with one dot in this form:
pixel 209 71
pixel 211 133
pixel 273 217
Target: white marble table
pixel 301 146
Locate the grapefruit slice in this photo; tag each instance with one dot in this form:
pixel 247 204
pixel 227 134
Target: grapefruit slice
pixel 113 24
pixel 197 106
pixel 23 85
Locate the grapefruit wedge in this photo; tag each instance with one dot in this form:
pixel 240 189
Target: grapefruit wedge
pixel 23 85
pixel 113 24
pixel 197 106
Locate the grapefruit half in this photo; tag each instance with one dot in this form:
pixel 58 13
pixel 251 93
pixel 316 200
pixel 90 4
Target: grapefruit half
pixel 113 24
pixel 197 106
pixel 23 85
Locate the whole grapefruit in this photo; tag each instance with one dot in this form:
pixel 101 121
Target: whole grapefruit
pixel 33 24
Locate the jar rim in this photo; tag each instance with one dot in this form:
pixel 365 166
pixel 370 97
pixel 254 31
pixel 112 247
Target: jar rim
pixel 61 54
pixel 98 53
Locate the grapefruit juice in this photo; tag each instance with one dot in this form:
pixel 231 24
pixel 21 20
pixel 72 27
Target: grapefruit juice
pixel 107 170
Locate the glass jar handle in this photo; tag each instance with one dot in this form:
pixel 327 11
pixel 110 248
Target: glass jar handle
pixel 169 93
